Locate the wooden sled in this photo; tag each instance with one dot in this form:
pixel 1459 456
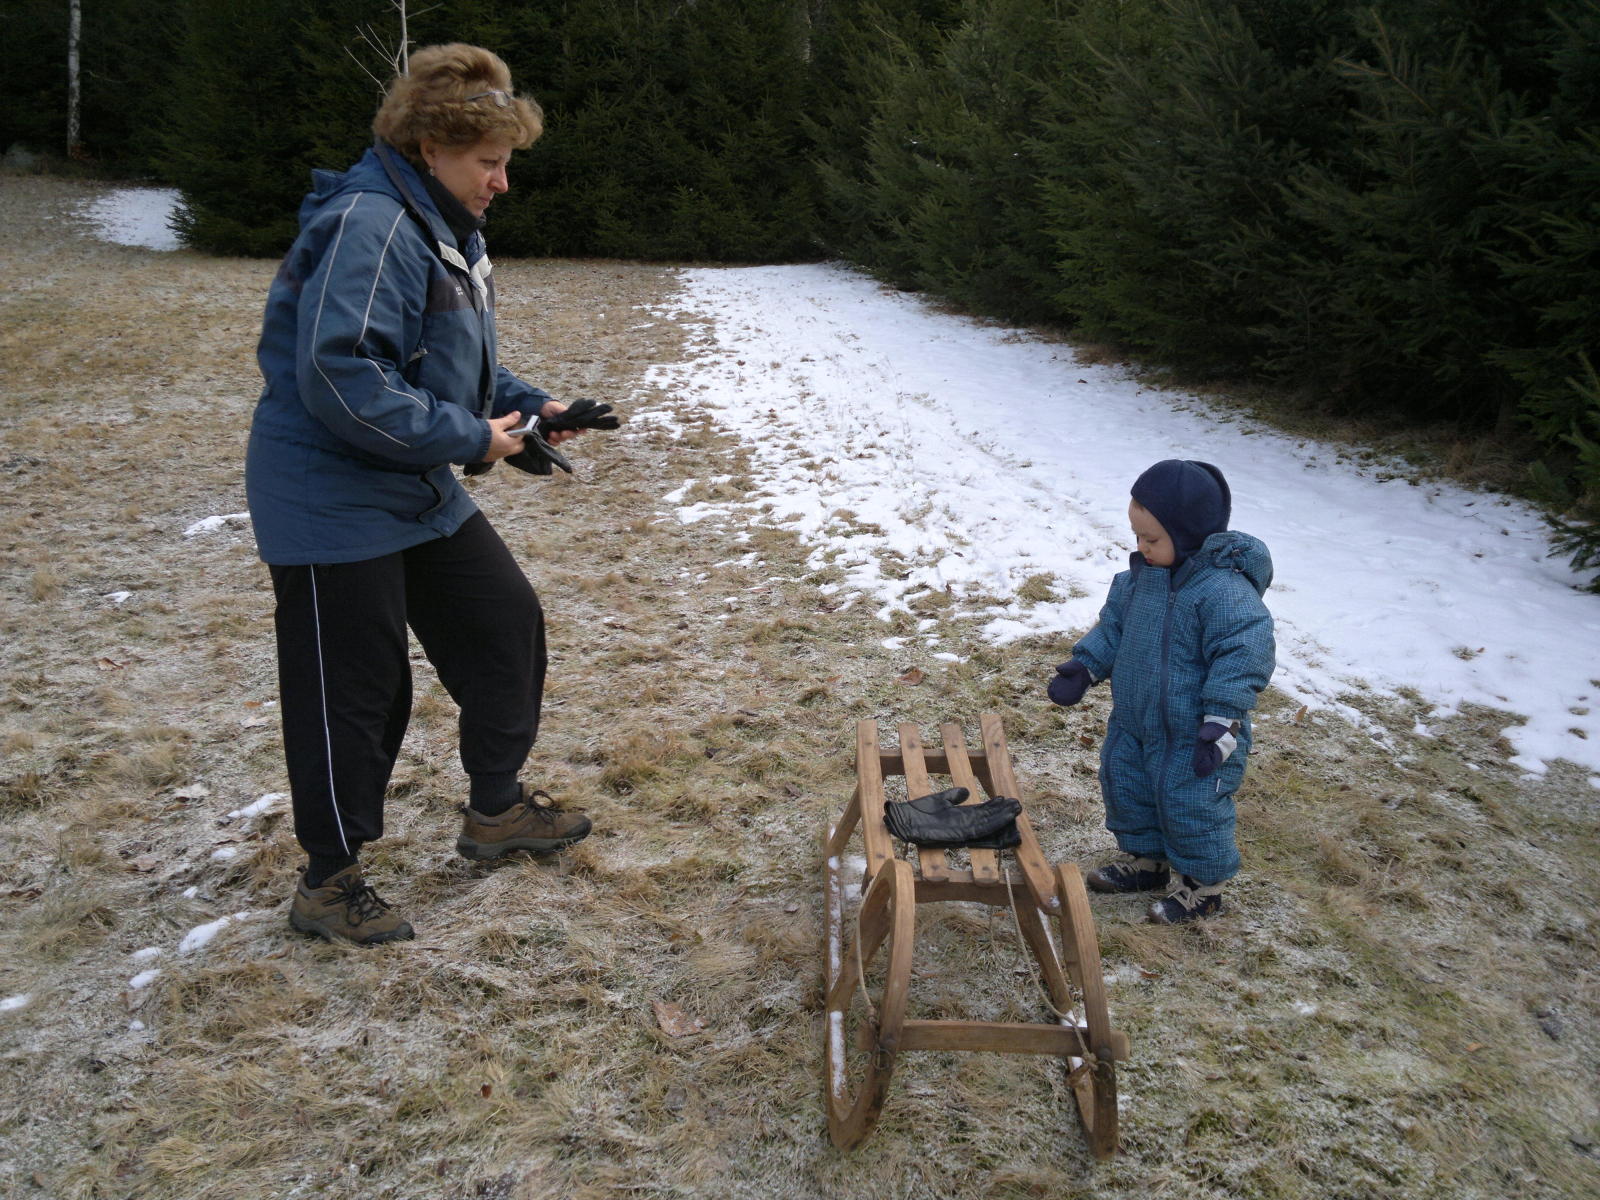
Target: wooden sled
pixel 867 1026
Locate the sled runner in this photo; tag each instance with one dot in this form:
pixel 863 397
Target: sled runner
pixel 869 951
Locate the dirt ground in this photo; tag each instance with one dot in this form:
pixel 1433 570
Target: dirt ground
pixel 1403 1000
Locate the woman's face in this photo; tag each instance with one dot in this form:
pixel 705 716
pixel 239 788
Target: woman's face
pixel 474 175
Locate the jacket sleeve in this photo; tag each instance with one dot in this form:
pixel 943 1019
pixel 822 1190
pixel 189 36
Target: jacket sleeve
pixel 1098 648
pixel 1240 651
pixel 359 322
pixel 514 395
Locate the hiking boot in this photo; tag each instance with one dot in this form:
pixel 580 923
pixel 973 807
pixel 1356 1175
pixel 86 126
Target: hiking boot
pixel 1136 875
pixel 1186 902
pixel 533 823
pixel 345 907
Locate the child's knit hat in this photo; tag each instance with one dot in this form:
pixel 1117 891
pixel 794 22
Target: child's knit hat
pixel 1191 500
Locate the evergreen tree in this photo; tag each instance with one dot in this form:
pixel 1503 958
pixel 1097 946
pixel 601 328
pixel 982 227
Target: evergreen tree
pixel 1174 236
pixel 262 102
pixel 866 55
pixel 124 49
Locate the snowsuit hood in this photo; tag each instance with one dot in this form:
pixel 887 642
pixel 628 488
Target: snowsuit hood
pixel 1190 498
pixel 1232 550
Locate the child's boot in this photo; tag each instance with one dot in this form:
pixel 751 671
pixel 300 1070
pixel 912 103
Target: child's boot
pixel 1138 874
pixel 1189 901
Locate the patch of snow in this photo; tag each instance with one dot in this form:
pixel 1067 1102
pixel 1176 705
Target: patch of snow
pixel 212 524
pixel 144 978
pixel 200 935
pixel 11 1002
pixel 146 954
pixel 256 807
pixel 974 457
pixel 224 853
pixel 135 217
pixel 118 598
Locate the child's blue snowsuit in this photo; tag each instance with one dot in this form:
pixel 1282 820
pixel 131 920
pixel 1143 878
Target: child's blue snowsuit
pixel 1180 645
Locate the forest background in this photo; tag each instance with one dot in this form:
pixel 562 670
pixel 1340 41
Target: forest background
pixel 1389 210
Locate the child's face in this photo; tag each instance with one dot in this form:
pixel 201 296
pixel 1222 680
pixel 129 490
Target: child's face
pixel 1153 541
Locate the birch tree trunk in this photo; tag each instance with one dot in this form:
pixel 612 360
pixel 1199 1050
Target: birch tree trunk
pixel 74 23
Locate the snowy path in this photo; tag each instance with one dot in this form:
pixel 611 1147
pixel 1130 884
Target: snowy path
pixel 985 457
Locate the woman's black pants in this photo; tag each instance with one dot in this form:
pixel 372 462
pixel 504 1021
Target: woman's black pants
pixel 344 672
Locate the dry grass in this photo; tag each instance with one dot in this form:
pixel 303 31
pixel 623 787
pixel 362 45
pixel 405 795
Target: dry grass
pixel 1402 1001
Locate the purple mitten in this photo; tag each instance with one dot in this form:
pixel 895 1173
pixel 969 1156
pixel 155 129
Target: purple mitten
pixel 1071 681
pixel 1208 755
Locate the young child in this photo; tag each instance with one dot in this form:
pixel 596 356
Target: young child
pixel 1187 644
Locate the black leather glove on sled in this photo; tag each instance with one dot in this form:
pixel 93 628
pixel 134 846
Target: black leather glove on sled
pixel 1071 681
pixel 941 821
pixel 1208 755
pixel 580 414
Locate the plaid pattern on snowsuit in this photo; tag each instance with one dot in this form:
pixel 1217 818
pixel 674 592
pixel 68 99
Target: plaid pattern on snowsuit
pixel 1178 646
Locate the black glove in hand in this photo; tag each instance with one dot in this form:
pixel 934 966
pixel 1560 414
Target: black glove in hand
pixel 580 414
pixel 537 457
pixel 941 821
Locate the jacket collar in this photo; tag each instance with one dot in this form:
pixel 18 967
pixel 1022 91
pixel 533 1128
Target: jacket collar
pixel 411 191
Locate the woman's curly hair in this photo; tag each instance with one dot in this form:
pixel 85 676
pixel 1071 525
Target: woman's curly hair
pixel 430 101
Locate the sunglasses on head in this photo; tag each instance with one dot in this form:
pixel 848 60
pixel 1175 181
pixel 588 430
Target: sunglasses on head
pixel 501 99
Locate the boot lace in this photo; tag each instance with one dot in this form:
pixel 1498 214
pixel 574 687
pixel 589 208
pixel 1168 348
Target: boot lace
pixel 545 807
pixel 361 901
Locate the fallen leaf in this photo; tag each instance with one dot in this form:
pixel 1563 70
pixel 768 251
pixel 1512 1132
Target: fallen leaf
pixel 1086 741
pixel 29 893
pixel 109 664
pixel 793 792
pixel 1301 715
pixel 1143 974
pixel 674 1021
pixel 146 862
pixel 486 1090
pixel 912 676
pixel 1474 1047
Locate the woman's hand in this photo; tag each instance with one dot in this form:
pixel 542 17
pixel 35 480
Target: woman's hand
pixel 502 443
pixel 550 409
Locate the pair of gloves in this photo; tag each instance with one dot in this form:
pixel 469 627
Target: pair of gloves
pixel 943 821
pixel 1212 744
pixel 538 456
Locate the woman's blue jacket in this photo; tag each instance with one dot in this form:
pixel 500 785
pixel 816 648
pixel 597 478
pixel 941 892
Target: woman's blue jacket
pixel 378 351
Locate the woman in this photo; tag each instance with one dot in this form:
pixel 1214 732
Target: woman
pixel 378 350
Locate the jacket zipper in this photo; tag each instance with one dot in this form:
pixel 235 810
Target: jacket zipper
pixel 1166 671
